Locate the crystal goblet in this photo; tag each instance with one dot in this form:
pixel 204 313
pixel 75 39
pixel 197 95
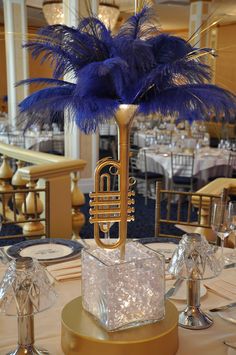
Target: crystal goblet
pixel 221 220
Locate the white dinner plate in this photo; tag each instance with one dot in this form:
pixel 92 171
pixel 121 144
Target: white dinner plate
pixel 46 250
pixel 181 294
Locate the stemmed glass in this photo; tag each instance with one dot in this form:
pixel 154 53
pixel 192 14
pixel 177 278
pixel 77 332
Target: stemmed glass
pixel 231 257
pixel 221 220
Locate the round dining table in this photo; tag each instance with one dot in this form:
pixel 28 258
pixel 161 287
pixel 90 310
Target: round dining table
pixel 191 342
pixel 208 162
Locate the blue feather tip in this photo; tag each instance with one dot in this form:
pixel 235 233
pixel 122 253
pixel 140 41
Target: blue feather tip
pixel 139 65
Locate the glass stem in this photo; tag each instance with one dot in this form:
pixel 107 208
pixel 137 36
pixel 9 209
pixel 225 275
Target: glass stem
pixel 233 254
pixel 222 243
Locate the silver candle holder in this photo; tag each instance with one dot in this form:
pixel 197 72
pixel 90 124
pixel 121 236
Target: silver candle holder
pixel 195 260
pixel 24 291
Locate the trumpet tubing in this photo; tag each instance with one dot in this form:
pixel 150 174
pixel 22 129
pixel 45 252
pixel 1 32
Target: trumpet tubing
pixel 105 204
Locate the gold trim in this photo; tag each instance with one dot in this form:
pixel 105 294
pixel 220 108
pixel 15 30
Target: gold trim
pixel 82 335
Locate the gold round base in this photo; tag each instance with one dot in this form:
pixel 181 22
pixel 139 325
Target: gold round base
pixel 82 335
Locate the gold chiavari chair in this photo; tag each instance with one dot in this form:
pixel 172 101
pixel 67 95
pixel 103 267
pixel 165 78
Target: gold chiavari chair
pixel 143 176
pixel 231 168
pixel 190 213
pixel 182 171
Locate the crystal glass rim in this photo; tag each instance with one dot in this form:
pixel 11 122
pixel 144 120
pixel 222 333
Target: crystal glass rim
pixel 123 262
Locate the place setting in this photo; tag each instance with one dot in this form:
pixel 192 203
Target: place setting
pixel 60 257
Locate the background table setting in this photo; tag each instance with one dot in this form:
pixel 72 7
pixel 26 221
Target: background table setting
pixel 66 277
pixel 208 162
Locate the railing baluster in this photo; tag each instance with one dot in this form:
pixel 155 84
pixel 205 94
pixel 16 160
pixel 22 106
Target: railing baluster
pixel 19 183
pixel 34 208
pixel 5 178
pixel 55 173
pixel 78 218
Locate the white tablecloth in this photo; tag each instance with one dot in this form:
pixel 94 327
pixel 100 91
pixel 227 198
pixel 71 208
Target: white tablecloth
pixel 48 326
pixel 181 137
pixel 209 162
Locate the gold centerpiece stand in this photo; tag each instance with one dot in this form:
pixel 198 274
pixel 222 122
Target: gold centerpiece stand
pixel 82 335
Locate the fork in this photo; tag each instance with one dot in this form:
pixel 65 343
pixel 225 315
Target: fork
pixel 229 345
pixel 172 291
pixel 223 308
pixel 3 256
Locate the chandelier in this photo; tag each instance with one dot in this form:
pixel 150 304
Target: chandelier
pixel 108 13
pixel 53 11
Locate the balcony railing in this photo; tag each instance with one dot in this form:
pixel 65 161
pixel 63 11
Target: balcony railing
pixel 44 197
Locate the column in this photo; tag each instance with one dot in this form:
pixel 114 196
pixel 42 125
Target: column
pixel 15 23
pixel 77 144
pixel 198 21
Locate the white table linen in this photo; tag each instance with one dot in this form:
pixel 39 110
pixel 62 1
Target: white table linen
pixel 209 162
pixel 48 326
pixel 177 137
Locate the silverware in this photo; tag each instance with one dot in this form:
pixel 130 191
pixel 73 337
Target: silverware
pixel 173 290
pixel 223 308
pixel 4 258
pixel 229 266
pixel 229 345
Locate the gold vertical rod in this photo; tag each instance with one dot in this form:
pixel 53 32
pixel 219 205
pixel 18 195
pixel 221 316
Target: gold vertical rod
pixel 124 121
pixel 124 118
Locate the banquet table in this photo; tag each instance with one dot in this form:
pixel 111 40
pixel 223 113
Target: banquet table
pixel 48 325
pixel 208 162
pixel 34 140
pixel 141 138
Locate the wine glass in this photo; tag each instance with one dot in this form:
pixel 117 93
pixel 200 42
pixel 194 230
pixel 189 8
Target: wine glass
pixel 221 220
pixel 231 257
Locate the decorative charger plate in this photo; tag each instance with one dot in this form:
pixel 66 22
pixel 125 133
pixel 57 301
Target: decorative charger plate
pixel 46 250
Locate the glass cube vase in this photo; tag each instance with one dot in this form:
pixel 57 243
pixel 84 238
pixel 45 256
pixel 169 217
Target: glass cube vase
pixel 123 293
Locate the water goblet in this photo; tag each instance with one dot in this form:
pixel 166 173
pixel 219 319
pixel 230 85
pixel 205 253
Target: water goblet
pixel 231 257
pixel 221 221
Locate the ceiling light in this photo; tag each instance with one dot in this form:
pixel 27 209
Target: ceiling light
pixel 53 11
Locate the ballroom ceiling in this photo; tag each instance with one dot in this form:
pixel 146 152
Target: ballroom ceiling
pixel 173 14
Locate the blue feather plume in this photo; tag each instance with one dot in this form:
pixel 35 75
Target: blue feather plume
pixel 139 65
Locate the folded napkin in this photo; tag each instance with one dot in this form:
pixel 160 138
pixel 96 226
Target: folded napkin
pixel 68 270
pixel 224 285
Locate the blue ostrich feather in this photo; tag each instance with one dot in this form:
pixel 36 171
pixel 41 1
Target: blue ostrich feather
pixel 68 49
pixel 140 26
pixel 40 81
pixel 139 65
pixel 190 102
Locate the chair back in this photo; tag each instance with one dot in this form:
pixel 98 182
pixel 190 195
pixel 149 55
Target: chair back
pixel 133 157
pixel 149 140
pixel 182 164
pixel 164 137
pixel 188 211
pixel 231 165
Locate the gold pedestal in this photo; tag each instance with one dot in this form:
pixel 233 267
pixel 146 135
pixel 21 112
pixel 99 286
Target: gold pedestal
pixel 82 335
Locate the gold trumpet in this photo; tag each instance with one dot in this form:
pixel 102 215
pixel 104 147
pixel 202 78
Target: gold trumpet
pixel 108 205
